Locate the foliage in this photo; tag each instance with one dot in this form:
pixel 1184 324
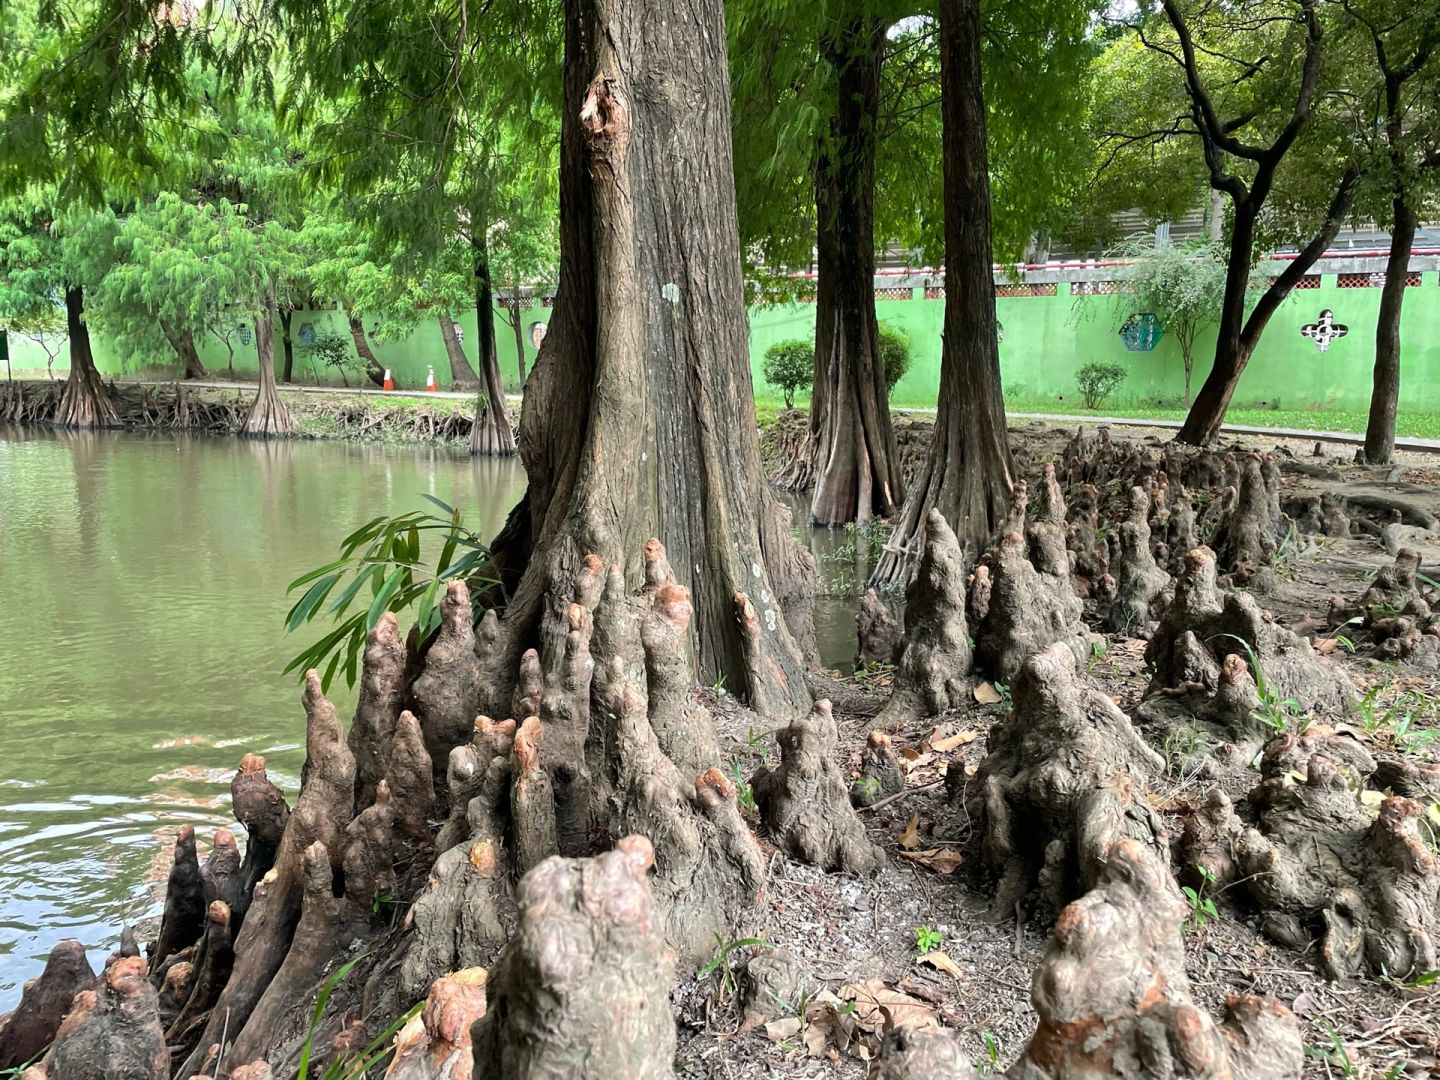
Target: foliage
pixel 348 1067
pixel 927 939
pixel 332 349
pixel 1096 381
pixel 384 553
pixel 790 365
pixel 721 962
pixel 1202 905
pixel 894 353
pixel 1275 712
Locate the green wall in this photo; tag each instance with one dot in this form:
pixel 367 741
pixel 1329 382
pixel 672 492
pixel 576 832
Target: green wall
pixel 1047 338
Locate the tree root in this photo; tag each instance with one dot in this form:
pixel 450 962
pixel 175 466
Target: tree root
pixel 803 802
pixel 112 1032
pixel 44 1001
pixel 877 634
pixel 1064 778
pixel 1397 612
pixel 1141 588
pixel 585 978
pixel 435 1045
pixel 934 672
pixel 880 772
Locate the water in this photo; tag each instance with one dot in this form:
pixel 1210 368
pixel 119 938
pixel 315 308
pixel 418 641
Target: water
pixel 142 598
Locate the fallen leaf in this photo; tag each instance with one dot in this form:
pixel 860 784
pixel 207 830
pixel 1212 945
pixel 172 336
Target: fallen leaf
pixel 937 959
pixel 986 694
pixel 816 1037
pixel 950 742
pixel 1304 1005
pixel 910 838
pixel 910 760
pixel 782 1030
pixel 877 1007
pixel 941 860
pixel 1326 646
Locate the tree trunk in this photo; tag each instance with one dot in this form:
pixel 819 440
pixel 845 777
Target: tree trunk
pixel 183 342
pixel 1385 393
pixel 366 354
pixel 461 377
pixel 969 473
pixel 639 416
pixel 268 414
pixel 1187 355
pixel 1239 334
pixel 84 403
pixel 517 324
pixel 491 433
pixel 287 344
pixel 857 471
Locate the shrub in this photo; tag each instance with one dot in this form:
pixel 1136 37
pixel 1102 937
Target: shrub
pixel 790 365
pixel 895 353
pixel 332 350
pixel 1096 381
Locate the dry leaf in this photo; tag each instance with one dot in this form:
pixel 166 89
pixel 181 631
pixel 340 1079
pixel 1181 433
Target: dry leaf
pixel 910 838
pixel 878 1007
pixel 940 960
pixel 986 694
pixel 941 860
pixel 1326 646
pixel 950 742
pixel 816 1038
pixel 782 1030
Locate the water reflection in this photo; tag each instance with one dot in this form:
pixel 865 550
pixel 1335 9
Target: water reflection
pixel 142 596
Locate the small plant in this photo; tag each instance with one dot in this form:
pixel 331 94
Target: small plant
pixel 1007 700
pixel 927 940
pixel 1335 1055
pixel 756 740
pixel 348 1068
pixel 991 1061
pixel 384 554
pixel 332 350
pixel 1096 381
pixel 894 354
pixel 1275 712
pixel 1202 906
pixel 720 962
pixel 718 686
pixel 790 365
pixel 867 786
pixel 1182 742
pixel 1097 652
pixel 744 793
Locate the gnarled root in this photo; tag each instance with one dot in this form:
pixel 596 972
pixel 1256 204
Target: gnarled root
pixel 1141 587
pixel 878 637
pixel 112 1032
pixel 910 1054
pixel 382 693
pixel 1114 1000
pixel 184 919
pixel 585 978
pixel 446 694
pixel 1247 539
pixel 803 802
pixel 435 1045
pixel 1064 778
pixel 1212 719
pixel 933 674
pixel 260 807
pixel 1396 610
pixel 44 1001
pixel 880 772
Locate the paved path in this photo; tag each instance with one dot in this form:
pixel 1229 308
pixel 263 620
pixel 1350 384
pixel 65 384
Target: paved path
pixel 1424 446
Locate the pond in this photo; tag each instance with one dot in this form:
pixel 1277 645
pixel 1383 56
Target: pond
pixel 142 599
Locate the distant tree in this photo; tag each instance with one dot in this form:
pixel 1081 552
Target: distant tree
pixel 789 365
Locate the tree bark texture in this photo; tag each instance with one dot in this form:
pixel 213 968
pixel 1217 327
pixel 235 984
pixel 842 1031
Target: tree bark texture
pixel 287 345
pixel 491 433
pixel 969 474
pixel 84 403
pixel 268 414
pixel 183 342
pixel 639 418
pixel 857 471
pixel 462 377
pixel 1385 390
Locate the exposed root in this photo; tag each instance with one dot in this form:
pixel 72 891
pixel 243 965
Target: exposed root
pixel 112 1032
pixel 44 1001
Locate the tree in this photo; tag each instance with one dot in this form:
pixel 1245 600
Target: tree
pixel 1402 178
pixel 1247 130
pixel 969 473
pixel 1183 285
pixel 524 253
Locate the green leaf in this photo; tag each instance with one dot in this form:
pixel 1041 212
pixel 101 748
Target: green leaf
pixel 305 609
pixel 381 603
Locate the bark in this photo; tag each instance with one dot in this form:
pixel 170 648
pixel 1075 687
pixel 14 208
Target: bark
pixel 880 772
pixel 969 473
pixel 373 368
pixel 461 375
pixel 878 637
pixel 857 471
pixel 586 964
pixel 44 1001
pixel 183 342
pixel 84 403
pixel 268 415
pixel 1066 775
pixel 184 919
pixel 435 1045
pixel 638 419
pixel 1141 588
pixel 113 1032
pixel 287 345
pixel 804 801
pixel 491 433
pixel 1385 394
pixel 382 691
pixel 934 671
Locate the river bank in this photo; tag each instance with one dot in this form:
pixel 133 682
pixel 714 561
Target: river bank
pixel 219 410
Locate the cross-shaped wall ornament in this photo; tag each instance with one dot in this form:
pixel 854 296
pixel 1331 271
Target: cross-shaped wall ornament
pixel 1324 330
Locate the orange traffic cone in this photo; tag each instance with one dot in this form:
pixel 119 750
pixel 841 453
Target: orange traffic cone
pixel 430 381
pixel 389 382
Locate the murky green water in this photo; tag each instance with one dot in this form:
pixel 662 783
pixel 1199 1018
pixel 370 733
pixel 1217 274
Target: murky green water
pixel 142 596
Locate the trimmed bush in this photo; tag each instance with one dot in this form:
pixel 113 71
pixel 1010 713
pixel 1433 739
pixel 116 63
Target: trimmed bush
pixel 895 353
pixel 790 365
pixel 1096 381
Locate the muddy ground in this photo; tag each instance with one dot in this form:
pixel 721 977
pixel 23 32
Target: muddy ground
pixel 849 930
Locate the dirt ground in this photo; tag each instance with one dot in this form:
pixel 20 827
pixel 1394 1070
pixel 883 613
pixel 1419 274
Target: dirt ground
pixel 848 930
